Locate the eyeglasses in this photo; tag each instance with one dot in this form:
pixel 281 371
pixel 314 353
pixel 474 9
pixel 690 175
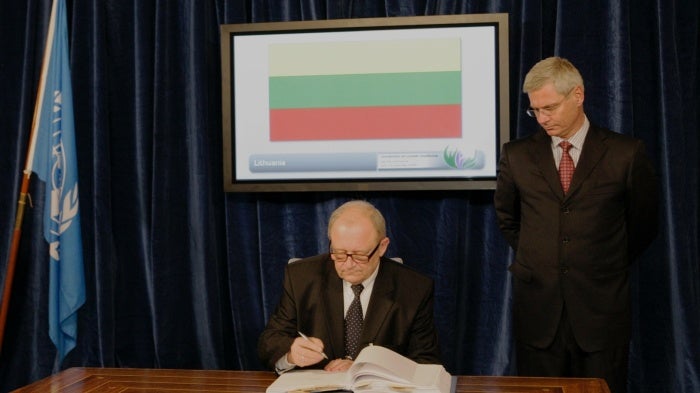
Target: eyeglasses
pixel 549 109
pixel 341 256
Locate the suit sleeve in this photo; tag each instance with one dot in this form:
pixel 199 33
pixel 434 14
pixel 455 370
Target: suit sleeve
pixel 278 335
pixel 423 346
pixel 642 202
pixel 507 201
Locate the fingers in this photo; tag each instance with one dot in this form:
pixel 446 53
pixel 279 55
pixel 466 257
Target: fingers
pixel 318 344
pixel 312 344
pixel 338 365
pixel 305 352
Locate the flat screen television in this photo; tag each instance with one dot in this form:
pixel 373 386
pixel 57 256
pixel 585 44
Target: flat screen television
pixel 371 104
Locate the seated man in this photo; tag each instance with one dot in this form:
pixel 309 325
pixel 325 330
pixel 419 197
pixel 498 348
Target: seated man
pixel 349 298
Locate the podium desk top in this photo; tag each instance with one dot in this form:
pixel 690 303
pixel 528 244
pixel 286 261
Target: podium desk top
pixel 132 380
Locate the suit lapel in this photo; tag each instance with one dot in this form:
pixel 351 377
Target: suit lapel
pixel 380 304
pixel 544 159
pixel 333 303
pixel 593 151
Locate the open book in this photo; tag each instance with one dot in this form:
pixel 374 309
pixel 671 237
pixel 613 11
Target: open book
pixel 376 369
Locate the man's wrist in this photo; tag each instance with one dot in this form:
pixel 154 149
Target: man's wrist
pixel 283 364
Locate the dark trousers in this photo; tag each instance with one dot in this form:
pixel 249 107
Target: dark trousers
pixel 564 358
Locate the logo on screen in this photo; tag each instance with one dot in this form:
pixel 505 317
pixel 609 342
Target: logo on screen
pixel 455 158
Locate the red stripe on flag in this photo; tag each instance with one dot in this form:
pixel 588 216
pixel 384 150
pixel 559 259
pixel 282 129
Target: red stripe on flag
pixel 385 122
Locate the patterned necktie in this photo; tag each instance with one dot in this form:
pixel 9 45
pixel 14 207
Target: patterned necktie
pixel 566 166
pixel 353 324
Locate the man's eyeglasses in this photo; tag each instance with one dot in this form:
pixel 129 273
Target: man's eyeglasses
pixel 549 109
pixel 341 256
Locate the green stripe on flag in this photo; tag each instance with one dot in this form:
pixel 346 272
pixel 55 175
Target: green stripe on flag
pixel 328 91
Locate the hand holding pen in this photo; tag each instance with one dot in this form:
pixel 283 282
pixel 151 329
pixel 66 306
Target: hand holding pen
pixel 306 351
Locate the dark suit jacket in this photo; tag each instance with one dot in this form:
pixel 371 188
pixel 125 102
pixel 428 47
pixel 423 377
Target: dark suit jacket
pixel 399 315
pixel 575 249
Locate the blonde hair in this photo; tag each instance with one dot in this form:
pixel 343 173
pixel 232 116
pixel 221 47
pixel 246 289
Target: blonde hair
pixel 366 209
pixel 556 70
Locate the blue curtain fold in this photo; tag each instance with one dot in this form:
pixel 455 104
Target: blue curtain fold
pixel 182 275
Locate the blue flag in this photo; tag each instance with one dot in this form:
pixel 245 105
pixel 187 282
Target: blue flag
pixel 55 163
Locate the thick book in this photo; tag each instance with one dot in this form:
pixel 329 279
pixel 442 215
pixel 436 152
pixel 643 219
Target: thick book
pixel 376 369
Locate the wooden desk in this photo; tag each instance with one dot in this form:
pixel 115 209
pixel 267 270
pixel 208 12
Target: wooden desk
pixel 132 380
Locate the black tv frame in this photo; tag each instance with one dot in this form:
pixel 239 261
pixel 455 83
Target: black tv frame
pixel 229 31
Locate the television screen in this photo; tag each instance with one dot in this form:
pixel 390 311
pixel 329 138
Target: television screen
pixel 402 103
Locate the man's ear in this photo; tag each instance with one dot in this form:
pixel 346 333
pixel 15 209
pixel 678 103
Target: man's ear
pixel 579 94
pixel 384 245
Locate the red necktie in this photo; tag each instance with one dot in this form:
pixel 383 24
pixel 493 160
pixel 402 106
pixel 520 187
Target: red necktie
pixel 566 166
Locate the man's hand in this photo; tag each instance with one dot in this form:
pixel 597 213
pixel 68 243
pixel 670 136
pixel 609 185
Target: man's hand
pixel 305 352
pixel 338 365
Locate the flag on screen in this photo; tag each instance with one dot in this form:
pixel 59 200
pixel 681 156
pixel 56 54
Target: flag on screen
pixel 54 162
pixel 365 90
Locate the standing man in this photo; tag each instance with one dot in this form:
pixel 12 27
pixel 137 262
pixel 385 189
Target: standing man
pixel 348 298
pixel 577 203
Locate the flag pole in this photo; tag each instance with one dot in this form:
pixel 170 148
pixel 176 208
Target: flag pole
pixel 12 261
pixel 24 189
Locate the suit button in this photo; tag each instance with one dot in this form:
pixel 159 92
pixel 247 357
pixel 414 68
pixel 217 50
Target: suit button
pixel 565 210
pixel 565 240
pixel 564 269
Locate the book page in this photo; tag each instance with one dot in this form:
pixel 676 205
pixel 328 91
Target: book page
pixel 431 375
pixel 375 369
pixel 380 368
pixel 309 380
pixel 383 362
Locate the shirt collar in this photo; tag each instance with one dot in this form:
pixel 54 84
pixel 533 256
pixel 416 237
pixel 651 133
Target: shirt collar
pixel 578 138
pixel 369 282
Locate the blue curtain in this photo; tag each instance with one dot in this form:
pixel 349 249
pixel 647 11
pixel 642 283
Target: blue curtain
pixel 182 275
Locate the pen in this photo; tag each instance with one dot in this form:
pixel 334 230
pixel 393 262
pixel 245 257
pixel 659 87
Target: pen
pixel 307 339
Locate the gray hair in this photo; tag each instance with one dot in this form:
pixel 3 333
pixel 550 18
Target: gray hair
pixel 556 70
pixel 364 207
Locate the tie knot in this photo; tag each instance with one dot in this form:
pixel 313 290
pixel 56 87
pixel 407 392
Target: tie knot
pixel 565 145
pixel 357 289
